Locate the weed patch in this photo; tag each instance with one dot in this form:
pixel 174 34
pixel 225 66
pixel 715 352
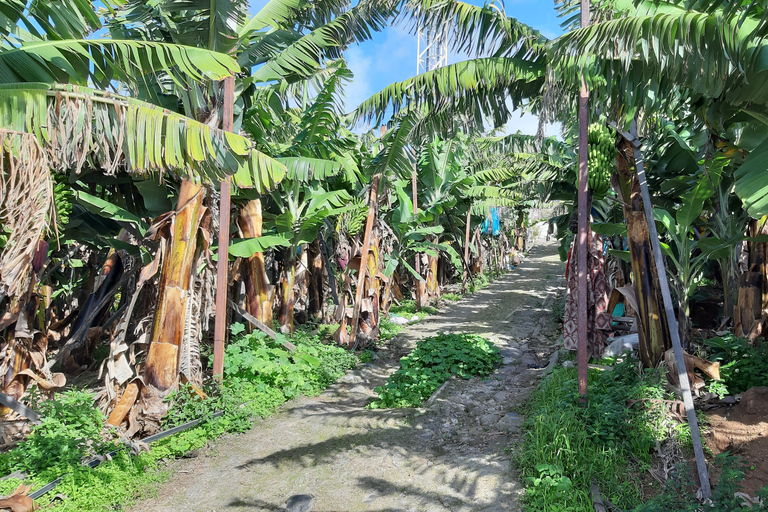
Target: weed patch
pixel 567 445
pixel 432 363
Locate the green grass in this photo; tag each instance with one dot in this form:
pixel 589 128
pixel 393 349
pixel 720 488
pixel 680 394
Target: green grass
pixel 406 309
pixel 567 445
pixel 453 297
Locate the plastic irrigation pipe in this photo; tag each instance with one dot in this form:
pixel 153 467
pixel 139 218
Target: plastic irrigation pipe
pixel 97 461
pixel 682 373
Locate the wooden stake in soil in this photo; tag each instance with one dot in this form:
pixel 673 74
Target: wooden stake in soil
pixel 682 375
pixel 222 274
pixel 583 224
pixel 417 260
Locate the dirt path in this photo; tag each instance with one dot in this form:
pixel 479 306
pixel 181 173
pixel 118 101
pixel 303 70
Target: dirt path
pixel 329 453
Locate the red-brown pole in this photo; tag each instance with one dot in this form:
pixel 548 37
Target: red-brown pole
pixel 222 266
pixel 583 223
pixel 417 262
pixel 466 251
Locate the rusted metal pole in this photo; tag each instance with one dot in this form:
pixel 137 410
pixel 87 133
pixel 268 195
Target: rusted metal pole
pixel 581 303
pixel 372 201
pixel 417 261
pixel 222 266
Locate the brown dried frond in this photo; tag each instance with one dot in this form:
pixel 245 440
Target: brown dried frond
pixel 26 207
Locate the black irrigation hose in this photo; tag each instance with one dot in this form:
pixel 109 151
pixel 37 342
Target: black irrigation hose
pixel 97 461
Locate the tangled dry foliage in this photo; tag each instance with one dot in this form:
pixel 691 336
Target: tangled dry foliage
pixel 26 207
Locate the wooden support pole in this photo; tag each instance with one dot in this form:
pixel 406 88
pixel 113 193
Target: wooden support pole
pixel 417 261
pixel 467 269
pixel 222 266
pixel 372 206
pixel 682 374
pixel 583 230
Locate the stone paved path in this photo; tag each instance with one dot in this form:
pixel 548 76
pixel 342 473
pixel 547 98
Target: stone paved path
pixel 329 453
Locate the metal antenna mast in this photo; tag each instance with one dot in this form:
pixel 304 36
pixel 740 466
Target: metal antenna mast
pixel 431 50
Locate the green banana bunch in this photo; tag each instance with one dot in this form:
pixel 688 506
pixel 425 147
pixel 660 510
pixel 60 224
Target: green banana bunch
pixel 351 222
pixel 602 154
pixel 63 198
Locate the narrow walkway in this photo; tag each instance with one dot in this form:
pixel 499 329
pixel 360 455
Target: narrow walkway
pixel 329 453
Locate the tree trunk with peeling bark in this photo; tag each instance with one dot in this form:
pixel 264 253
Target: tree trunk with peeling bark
pixel 161 369
pixel 287 296
pixel 653 330
pixel 260 295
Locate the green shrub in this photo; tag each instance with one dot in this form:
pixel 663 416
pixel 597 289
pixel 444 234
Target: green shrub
pixel 742 366
pixel 433 362
pixel 680 496
pixel 70 430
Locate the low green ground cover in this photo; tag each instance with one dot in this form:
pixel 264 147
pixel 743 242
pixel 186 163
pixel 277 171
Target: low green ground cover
pixel 567 445
pixel 259 375
pixel 434 361
pixel 388 329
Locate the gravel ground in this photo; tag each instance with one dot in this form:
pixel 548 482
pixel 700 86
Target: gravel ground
pixel 329 453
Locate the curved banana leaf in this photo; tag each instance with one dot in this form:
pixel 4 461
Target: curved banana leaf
pixel 126 219
pixel 477 85
pixel 79 126
pixel 103 60
pixel 247 247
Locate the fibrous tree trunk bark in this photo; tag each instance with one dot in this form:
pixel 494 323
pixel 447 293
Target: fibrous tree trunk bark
pixel 316 269
pixel 287 280
pixel 260 295
pixel 161 369
pixel 653 328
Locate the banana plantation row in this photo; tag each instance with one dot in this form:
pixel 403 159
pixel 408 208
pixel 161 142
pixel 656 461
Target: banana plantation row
pixel 112 118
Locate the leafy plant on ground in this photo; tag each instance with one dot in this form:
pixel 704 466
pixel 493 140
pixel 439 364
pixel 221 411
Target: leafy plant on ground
pixel 742 366
pixel 389 329
pixel 366 356
pixel 70 430
pixel 566 442
pixel 453 297
pixel 680 496
pixel 479 281
pixel 433 362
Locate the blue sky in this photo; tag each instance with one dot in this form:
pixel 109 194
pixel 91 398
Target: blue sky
pixel 391 55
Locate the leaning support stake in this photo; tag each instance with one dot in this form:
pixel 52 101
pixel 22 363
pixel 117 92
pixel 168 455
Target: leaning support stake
pixel 682 375
pixel 222 269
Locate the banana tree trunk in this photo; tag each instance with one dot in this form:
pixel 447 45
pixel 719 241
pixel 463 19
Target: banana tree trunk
pixel 287 296
pixel 260 295
pixel 370 306
pixel 433 289
pixel 464 275
pixel 161 369
pixel 316 269
pixel 653 330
